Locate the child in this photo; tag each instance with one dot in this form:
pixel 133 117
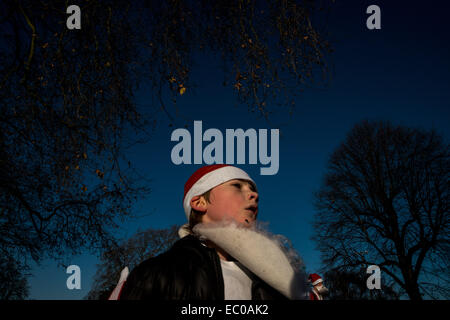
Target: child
pixel 220 254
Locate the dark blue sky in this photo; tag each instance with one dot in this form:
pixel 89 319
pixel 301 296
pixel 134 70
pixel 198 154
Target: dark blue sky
pixel 399 73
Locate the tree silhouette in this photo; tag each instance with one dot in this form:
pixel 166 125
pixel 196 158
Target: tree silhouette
pixel 67 100
pixel 130 253
pixel 386 192
pixel 63 115
pixel 13 279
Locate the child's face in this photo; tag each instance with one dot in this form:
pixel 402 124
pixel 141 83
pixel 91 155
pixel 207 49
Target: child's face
pixel 233 200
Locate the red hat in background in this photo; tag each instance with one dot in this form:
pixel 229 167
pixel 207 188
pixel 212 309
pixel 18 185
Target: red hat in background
pixel 314 278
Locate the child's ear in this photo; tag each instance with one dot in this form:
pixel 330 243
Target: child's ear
pixel 198 203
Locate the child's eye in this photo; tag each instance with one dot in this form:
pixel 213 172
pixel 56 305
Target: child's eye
pixel 238 185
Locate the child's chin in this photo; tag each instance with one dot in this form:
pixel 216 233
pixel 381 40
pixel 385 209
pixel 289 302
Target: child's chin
pixel 247 223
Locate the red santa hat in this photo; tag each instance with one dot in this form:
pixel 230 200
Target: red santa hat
pixel 208 177
pixel 314 278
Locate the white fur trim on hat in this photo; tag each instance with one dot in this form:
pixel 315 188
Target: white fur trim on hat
pixel 317 281
pixel 210 180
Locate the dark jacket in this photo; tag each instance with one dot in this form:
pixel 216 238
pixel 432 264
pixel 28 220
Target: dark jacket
pixel 189 270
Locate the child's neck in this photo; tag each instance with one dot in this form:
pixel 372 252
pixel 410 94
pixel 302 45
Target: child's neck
pixel 223 255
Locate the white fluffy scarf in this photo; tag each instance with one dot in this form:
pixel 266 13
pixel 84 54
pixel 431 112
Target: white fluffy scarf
pixel 260 252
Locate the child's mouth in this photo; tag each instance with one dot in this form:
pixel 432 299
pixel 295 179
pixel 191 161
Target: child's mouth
pixel 253 209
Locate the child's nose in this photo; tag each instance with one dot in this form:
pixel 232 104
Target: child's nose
pixel 254 196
